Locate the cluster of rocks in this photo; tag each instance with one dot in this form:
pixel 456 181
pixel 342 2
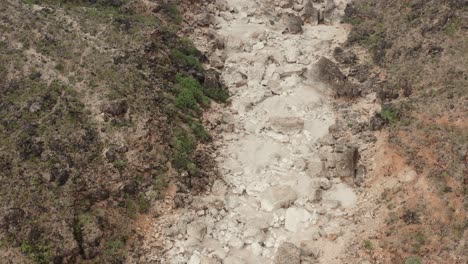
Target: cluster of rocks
pixel 286 169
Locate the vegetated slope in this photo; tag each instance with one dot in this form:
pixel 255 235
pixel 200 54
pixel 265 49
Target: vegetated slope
pixel 100 106
pixel 419 60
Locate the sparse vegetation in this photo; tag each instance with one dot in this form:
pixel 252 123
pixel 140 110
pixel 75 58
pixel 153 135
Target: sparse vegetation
pixel 190 93
pixel 74 96
pixel 421 66
pixel 367 244
pixel 389 115
pixel 185 59
pixel 37 252
pixel 413 260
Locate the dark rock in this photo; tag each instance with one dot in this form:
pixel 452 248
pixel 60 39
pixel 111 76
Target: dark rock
pixel 98 194
pixel 410 217
pixel 346 162
pixel 60 174
pixel 30 129
pixel 360 175
pixel 360 72
pixel 179 201
pixel 212 79
pixel 29 147
pixel 130 187
pixel 294 24
pixel 11 218
pixel 287 253
pixel 318 195
pixel 406 86
pixel 345 57
pixel 6 163
pixel 287 4
pixel 387 92
pixel 329 73
pixel 117 108
pixel 350 10
pixel 310 14
pixel 206 20
pixel 111 154
pixel 218 40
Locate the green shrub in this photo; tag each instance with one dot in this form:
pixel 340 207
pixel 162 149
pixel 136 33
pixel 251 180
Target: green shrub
pixel 367 244
pixel 185 60
pixel 190 93
pixel 200 132
pixel 186 99
pixel 38 253
pixel 115 247
pixel 183 146
pixel 452 27
pixel 389 115
pixel 413 260
pixel 217 94
pixel 172 12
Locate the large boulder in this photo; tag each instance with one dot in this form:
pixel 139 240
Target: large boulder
pixel 287 125
pixel 294 24
pixel 345 57
pixel 310 14
pixel 212 79
pixel 277 197
pixel 296 218
pixel 116 108
pixel 329 73
pixel 329 11
pixel 287 253
pixel 347 161
pixel 197 230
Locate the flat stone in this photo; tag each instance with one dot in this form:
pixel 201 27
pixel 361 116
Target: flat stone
pixel 233 260
pixel 195 259
pixel 309 248
pixel 295 217
pixel 197 230
pixel 287 125
pixel 277 197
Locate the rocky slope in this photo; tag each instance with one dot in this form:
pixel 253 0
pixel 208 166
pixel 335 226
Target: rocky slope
pixel 289 158
pixel 343 141
pixel 310 179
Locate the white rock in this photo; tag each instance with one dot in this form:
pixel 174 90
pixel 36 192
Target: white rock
pixel 325 183
pixel 235 43
pixel 258 46
pixel 195 259
pixel 236 242
pixel 277 197
pixel 256 249
pixel 287 125
pixel 291 55
pixel 295 217
pixel 197 230
pixel 233 260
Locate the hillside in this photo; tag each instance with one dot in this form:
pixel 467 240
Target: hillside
pixel 417 66
pixel 233 131
pixel 100 108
